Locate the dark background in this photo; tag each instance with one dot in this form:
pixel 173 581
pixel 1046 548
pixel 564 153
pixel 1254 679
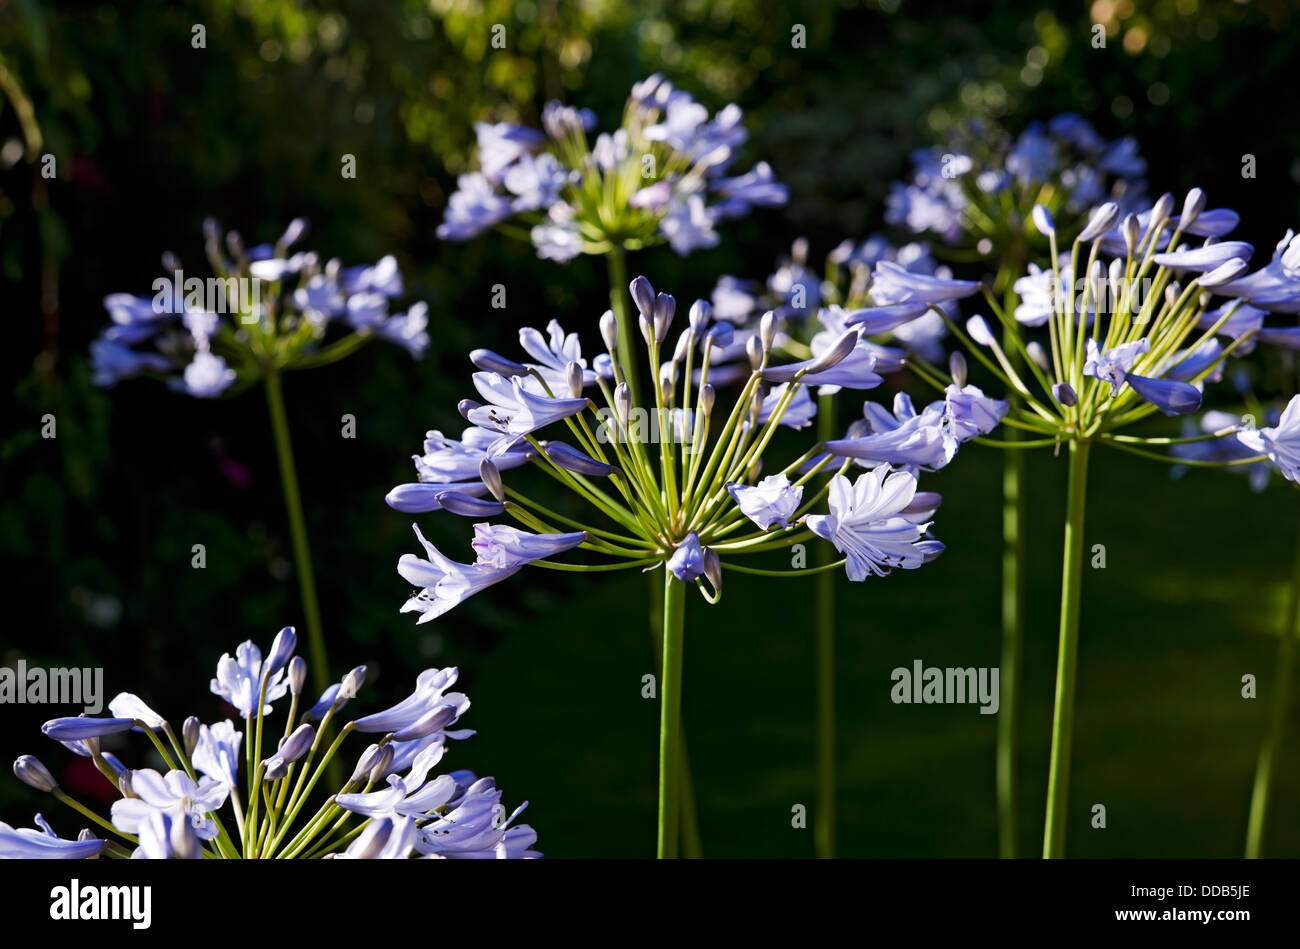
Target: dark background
pixel 151 136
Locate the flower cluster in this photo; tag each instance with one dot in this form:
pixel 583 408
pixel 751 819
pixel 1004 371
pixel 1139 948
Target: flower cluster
pixel 182 813
pixel 1132 323
pixel 264 308
pixel 668 494
pixel 978 187
pixel 663 175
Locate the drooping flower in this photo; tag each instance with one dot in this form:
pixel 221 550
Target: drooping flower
pixel 1281 442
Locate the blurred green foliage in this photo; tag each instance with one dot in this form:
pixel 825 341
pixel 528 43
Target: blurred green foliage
pixel 151 134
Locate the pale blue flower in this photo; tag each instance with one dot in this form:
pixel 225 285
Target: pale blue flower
pixel 771 502
pixel 798 414
pixel 867 525
pixel 175 791
pixel 903 437
pixel 473 208
pixel 1281 443
pixel 239 680
pixel 207 375
pixel 1113 365
pixel 688 225
pixel 217 752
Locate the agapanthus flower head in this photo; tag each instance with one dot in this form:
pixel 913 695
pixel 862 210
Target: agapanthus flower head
pixel 664 176
pixel 197 808
pixel 1126 328
pixel 982 186
pixel 674 483
pixel 256 309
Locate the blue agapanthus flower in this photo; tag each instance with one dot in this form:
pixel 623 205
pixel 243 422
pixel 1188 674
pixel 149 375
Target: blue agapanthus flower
pixel 664 176
pixel 960 192
pixel 196 807
pixel 268 306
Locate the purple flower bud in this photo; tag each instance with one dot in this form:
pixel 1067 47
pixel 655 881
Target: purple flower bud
pixel 665 309
pixel 1223 273
pixel 81 727
pixel 1162 209
pixel 281 651
pixel 1064 393
pixel 707 397
pixel 701 313
pixel 570 459
pixel 1043 220
pixel 979 331
pixel 623 402
pixel 754 350
pixel 290 750
pixel 366 763
pixel 574 376
pixel 466 505
pixel 491 477
pixel 687 561
pixel 190 735
pixel 466 406
pixel 34 774
pixel 713 569
pixel 644 296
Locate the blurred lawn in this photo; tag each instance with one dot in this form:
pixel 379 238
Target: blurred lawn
pixel 1163 738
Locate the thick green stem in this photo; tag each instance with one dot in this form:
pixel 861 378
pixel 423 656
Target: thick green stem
pixel 1058 779
pixel 824 822
pixel 1268 752
pixel 670 717
pixel 1013 637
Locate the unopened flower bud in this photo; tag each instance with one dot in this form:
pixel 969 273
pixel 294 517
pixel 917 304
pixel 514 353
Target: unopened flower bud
pixel 683 344
pixel 1172 292
pixel 1037 353
pixel 382 763
pixel 574 376
pixel 190 735
pixel 665 309
pixel 1163 208
pixel 1064 393
pixel 957 369
pixel 666 386
pixel 281 651
pixel 707 396
pixel 701 313
pixel 767 330
pixel 124 784
pixel 609 331
pixel 1043 220
pixel 1132 233
pixel 291 749
pixel 643 295
pixel 297 674
pixel 369 758
pixel 754 350
pixel 352 683
pixel 490 475
pixel 1193 205
pixel 623 402
pixel 1101 221
pixel 465 406
pixel 86 834
pixel 713 569
pixel 647 329
pixel 837 352
pixel 34 774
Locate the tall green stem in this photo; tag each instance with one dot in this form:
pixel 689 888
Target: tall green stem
pixel 1268 752
pixel 1013 637
pixel 670 717
pixel 297 530
pixel 1058 779
pixel 824 823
